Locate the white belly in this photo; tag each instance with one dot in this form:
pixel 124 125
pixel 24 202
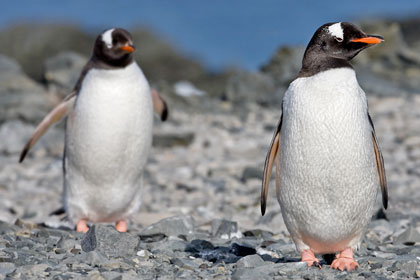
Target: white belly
pixel 108 138
pixel 328 175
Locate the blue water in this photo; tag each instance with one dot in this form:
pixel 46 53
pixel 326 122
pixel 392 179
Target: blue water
pixel 218 32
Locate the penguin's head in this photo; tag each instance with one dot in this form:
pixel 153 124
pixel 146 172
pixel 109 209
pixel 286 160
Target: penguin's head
pixel 333 46
pixel 114 47
pixel 341 40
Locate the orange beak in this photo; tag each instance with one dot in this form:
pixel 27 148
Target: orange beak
pixel 128 48
pixel 368 40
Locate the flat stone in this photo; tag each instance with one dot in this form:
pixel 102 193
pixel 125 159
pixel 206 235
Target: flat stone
pixel 409 237
pixel 270 271
pixel 7 267
pixel 108 241
pixel 172 226
pixel 169 247
pixel 95 258
pixel 250 261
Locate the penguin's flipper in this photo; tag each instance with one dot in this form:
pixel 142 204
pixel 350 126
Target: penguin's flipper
pixel 57 114
pixel 273 154
pixel 381 166
pixel 159 105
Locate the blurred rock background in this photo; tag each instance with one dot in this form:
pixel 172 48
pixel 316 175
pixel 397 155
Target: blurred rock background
pixel 206 164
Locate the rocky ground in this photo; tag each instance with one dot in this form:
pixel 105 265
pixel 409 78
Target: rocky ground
pixel 200 217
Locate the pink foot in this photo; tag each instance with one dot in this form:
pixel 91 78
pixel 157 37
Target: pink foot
pixel 82 226
pixel 345 261
pixel 309 257
pixel 121 226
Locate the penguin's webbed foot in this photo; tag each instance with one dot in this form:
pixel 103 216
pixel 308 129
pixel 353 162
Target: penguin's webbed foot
pixel 81 226
pixel 309 257
pixel 345 261
pixel 121 226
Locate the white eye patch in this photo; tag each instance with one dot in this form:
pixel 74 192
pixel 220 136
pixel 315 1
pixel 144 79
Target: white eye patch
pixel 336 30
pixel 107 37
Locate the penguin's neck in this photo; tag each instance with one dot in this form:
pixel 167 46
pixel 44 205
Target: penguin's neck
pixel 314 64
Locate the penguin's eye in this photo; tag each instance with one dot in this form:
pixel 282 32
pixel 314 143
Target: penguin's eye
pixel 338 39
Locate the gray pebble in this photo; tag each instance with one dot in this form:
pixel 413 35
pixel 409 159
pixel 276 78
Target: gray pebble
pixel 172 226
pixel 7 267
pixel 108 241
pixel 249 261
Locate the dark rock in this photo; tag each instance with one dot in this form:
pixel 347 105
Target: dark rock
pixel 196 246
pixel 241 250
pixel 108 241
pixel 172 226
pixel 168 140
pixel 224 229
pixel 89 241
pixel 205 250
pixel 220 254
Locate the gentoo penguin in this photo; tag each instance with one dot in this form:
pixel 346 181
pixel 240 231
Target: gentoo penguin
pixel 328 161
pixel 108 134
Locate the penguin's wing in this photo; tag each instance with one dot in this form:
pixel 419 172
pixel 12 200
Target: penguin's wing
pixel 273 154
pixel 57 114
pixel 380 164
pixel 159 105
